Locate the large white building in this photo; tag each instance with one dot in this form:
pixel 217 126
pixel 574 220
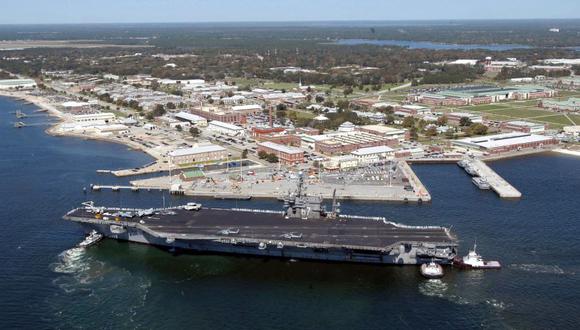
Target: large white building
pixel 197 154
pixel 225 128
pixel 6 84
pixel 191 118
pixel 95 118
pixel 373 155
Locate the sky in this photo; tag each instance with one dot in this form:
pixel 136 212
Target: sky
pixel 165 11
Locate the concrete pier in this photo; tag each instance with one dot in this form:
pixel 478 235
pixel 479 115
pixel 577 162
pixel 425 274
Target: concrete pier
pixel 497 183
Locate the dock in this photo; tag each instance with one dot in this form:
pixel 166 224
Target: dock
pixel 503 188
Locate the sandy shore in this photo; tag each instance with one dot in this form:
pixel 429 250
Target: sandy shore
pixel 568 152
pixel 45 104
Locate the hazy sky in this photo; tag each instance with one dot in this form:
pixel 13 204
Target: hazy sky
pixel 111 11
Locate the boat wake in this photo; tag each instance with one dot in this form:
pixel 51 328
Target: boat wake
pixel 539 269
pixel 439 289
pixel 92 283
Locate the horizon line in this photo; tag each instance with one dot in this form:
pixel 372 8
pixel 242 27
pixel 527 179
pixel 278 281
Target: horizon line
pixel 298 21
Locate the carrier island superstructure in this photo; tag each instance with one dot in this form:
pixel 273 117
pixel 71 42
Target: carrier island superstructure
pixel 305 230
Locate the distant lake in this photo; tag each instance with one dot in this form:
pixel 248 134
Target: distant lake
pixel 428 44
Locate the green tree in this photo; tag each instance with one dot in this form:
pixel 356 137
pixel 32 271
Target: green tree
pixel 442 121
pixel 431 131
pixel 465 121
pixel 262 154
pixel 194 131
pixel 244 153
pixel 272 158
pixel 409 122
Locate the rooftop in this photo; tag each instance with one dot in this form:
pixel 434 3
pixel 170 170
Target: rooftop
pixel 281 148
pixel 196 150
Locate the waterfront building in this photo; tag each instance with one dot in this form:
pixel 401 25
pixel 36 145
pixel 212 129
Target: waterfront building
pixel 197 154
pixel 506 142
pixel 95 118
pixel 76 107
pixel 7 84
pixel 286 155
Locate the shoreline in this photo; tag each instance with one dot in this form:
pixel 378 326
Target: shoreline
pixel 43 103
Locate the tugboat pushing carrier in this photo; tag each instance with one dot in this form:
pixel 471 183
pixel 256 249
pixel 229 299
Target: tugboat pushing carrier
pixel 305 230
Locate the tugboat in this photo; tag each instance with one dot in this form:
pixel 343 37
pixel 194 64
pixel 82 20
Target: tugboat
pixel 474 261
pixel 93 238
pixel 432 270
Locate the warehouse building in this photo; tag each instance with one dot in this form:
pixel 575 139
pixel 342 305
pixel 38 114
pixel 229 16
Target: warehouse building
pixel 473 95
pixel 226 128
pixel 506 142
pixel 194 120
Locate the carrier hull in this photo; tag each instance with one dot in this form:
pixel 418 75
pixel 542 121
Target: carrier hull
pixel 269 234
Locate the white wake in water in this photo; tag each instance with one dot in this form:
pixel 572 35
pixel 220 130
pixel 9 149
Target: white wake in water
pixel 539 269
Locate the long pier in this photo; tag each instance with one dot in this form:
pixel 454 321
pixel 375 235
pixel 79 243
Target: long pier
pixel 503 188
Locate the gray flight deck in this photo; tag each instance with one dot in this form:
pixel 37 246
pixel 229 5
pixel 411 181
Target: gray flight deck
pixel 271 226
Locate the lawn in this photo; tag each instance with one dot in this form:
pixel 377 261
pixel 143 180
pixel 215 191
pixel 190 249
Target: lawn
pixel 575 119
pixel 558 120
pixel 485 107
pixel 522 113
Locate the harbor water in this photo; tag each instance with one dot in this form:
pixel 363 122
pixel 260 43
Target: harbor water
pixel 47 283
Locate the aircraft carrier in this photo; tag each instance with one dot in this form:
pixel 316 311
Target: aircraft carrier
pixel 303 230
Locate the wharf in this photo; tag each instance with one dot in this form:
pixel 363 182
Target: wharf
pixel 496 182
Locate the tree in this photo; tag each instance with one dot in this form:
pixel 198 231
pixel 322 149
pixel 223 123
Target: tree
pixel 465 121
pixel 319 99
pixel 244 153
pixel 158 111
pixel 413 134
pixel 262 154
pixel 431 131
pixel 478 129
pixel 409 122
pixel 272 158
pixel 449 134
pixel 178 128
pixel 442 121
pixel 194 131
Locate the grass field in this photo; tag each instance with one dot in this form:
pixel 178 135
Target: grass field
pixel 522 110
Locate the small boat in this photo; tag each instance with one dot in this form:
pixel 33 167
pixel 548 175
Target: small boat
pixel 462 163
pixel 470 170
pixel 481 183
pixel 91 239
pixel 474 261
pixel 432 270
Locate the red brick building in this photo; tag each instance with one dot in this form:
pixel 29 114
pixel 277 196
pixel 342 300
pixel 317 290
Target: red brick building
pixel 286 155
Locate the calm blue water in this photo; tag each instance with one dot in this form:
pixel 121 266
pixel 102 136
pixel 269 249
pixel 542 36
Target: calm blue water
pixel 45 283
